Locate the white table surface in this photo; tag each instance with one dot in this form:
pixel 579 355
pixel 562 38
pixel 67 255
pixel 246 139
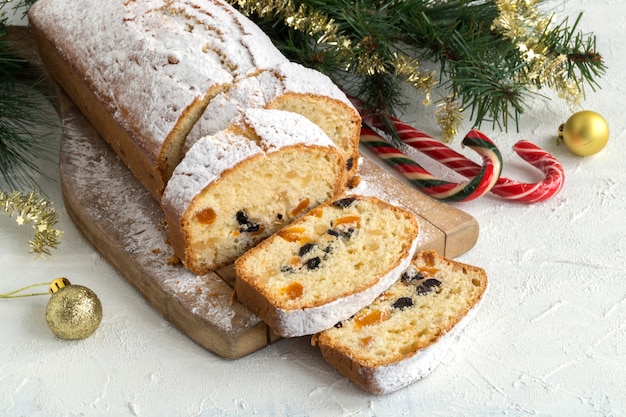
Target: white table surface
pixel 549 339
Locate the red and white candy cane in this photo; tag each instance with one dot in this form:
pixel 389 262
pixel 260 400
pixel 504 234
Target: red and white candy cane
pixel 552 183
pixel 477 186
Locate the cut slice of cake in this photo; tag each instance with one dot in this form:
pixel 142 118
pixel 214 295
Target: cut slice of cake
pixel 403 335
pixel 327 265
pixel 242 184
pixel 290 87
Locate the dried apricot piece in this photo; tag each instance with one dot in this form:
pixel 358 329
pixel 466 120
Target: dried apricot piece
pixel 292 234
pixel 371 317
pixel 206 216
pixel 300 207
pixel 294 290
pixel 348 220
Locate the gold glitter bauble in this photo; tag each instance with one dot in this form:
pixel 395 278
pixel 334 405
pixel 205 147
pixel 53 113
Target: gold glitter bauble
pixel 73 312
pixel 585 133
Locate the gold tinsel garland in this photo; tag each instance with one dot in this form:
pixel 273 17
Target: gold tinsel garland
pixel 521 21
pixel 30 208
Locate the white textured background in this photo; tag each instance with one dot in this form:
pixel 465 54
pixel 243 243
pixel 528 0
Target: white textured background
pixel 548 341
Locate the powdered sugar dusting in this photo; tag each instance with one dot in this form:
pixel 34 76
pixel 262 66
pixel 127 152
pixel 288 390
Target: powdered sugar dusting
pixel 209 27
pixel 145 80
pixel 303 80
pixel 277 129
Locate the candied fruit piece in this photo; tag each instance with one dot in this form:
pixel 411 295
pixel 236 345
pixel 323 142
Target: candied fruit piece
pixel 292 234
pixel 364 341
pixel 293 291
pixel 206 216
pixel 318 212
pixel 428 271
pixel 348 220
pixel 302 205
pixel 371 317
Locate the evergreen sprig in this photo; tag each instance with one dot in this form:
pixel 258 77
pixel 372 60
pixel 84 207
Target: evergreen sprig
pixel 23 144
pixel 492 55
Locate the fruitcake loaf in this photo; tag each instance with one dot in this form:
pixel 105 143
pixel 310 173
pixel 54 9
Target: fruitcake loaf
pixel 290 87
pixel 143 72
pixel 404 333
pixel 242 184
pixel 327 265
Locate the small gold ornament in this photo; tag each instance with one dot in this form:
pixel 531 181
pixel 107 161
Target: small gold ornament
pixel 73 311
pixel 585 133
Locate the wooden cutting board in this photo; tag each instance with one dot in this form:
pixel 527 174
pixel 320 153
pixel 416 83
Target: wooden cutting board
pixel 125 224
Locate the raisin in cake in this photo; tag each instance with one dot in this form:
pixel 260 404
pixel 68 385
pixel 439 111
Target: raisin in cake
pixel 290 87
pixel 327 265
pixel 404 333
pixel 242 184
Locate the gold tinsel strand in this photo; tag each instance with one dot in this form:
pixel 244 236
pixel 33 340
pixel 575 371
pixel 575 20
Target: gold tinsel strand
pixel 421 80
pixel 521 21
pixel 30 208
pixel 449 116
pixel 312 22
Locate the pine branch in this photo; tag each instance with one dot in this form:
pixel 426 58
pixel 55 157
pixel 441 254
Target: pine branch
pixel 492 55
pixel 22 145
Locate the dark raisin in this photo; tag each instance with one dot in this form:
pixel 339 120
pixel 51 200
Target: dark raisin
pixel 313 263
pixel 403 302
pixel 339 325
pixel 349 163
pixel 344 202
pixel 286 269
pixel 427 286
pixel 250 228
pixel 411 275
pixel 246 225
pixel 346 234
pixel 306 248
pixel 279 216
pixel 242 217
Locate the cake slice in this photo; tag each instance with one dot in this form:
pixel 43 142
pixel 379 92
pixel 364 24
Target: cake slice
pixel 403 335
pixel 327 265
pixel 290 87
pixel 242 184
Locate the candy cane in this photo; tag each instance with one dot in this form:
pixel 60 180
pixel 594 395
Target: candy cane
pixel 552 183
pixel 479 185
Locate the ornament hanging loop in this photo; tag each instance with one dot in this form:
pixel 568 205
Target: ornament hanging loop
pixel 57 284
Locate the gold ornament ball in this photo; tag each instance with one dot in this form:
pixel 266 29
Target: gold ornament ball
pixel 585 133
pixel 74 312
